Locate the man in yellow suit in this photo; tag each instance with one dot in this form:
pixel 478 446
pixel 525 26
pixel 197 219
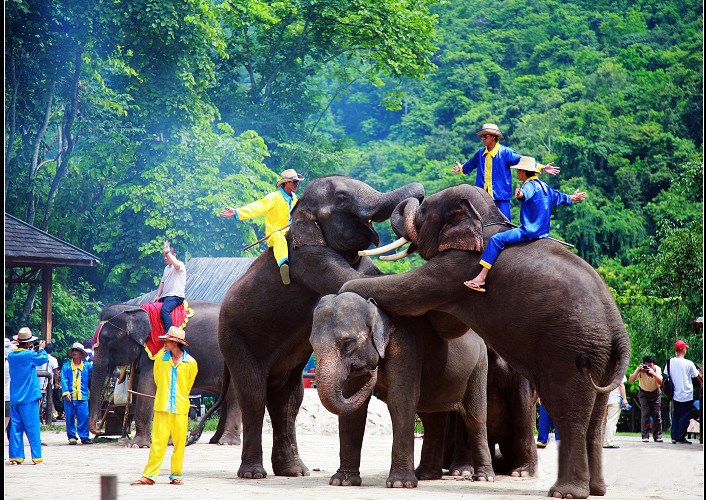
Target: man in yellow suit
pixel 276 207
pixel 174 374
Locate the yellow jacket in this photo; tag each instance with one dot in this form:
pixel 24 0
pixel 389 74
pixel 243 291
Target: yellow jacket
pixel 276 207
pixel 174 383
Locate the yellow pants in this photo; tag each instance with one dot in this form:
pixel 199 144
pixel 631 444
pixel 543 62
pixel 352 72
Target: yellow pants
pixel 165 425
pixel 278 242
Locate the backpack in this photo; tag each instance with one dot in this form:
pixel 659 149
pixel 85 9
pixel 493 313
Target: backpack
pixel 668 384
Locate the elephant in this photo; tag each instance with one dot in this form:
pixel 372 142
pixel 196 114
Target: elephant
pixel 121 341
pixel 358 347
pixel 264 326
pixel 546 312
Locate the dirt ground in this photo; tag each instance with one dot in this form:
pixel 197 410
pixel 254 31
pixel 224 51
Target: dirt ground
pixel 634 471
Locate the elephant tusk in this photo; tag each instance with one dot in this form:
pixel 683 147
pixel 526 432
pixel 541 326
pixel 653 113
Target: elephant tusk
pixel 396 256
pixel 380 250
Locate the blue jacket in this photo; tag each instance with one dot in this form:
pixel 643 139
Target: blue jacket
pixel 24 384
pixel 76 382
pixel 536 207
pixel 501 173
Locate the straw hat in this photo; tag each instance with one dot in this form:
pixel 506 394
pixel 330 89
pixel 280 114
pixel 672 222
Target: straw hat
pixel 492 129
pixel 25 335
pixel 78 346
pixel 528 163
pixel 175 335
pixel 289 175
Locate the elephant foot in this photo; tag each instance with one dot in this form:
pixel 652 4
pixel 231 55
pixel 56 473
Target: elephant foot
pixel 568 490
pixel 401 480
pixel 292 468
pixel 460 469
pixel 252 471
pixel 484 474
pixel 226 439
pixel 521 471
pixel 427 474
pixel 346 478
pixel 598 488
pixel 139 442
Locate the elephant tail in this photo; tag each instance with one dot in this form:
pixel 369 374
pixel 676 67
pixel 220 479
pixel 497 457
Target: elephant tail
pixel 195 433
pixel 619 358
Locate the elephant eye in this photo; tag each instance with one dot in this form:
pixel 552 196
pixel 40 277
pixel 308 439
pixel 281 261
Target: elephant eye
pixel 348 345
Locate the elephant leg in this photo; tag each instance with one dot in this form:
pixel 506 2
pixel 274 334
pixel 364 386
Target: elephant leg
pixel 144 408
pixel 573 478
pixel 475 416
pixel 594 444
pixel 221 424
pixel 251 388
pixel 230 422
pixel 430 463
pixel 461 461
pixel 402 402
pixel 351 429
pixel 283 406
pixel 522 452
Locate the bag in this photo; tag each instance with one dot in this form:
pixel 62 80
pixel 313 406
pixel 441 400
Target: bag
pixel 120 394
pixel 668 385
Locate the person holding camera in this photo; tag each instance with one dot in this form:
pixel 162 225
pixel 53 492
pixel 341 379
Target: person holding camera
pixel 649 376
pixel 24 396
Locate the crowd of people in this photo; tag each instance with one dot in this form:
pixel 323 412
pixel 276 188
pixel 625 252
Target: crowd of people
pixel 175 369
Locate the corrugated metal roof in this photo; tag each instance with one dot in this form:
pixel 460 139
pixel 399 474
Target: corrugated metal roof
pixel 207 278
pixel 25 245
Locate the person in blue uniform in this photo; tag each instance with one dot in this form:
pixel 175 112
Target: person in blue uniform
pixel 492 163
pixel 75 381
pixel 537 199
pixel 25 395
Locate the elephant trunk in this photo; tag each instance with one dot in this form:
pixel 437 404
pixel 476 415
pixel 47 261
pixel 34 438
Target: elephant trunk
pixel 330 379
pixel 402 220
pixel 99 376
pixel 390 200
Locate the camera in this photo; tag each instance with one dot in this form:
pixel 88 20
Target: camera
pixel 645 367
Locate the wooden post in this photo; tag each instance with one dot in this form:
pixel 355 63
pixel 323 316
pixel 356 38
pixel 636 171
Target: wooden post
pixel 109 487
pixel 46 303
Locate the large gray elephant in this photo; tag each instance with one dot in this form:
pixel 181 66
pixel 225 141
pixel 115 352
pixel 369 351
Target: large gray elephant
pixel 546 312
pixel 264 326
pixel 358 347
pixel 122 340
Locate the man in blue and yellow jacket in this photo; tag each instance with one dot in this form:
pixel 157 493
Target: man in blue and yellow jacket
pixel 174 374
pixel 75 381
pixel 276 207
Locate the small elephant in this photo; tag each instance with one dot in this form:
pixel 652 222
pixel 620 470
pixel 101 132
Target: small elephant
pixel 358 347
pixel 546 312
pixel 122 341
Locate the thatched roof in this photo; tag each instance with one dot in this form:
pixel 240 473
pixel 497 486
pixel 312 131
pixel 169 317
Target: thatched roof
pixel 207 278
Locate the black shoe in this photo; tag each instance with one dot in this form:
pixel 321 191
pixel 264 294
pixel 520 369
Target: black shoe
pixel 686 441
pixel 86 441
pixel 284 273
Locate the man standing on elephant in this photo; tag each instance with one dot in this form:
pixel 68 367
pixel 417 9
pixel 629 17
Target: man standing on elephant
pixel 277 207
pixel 172 287
pixel 537 199
pixel 492 163
pixel 174 374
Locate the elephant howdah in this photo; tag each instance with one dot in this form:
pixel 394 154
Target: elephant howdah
pixel 122 342
pixel 547 313
pixel 264 326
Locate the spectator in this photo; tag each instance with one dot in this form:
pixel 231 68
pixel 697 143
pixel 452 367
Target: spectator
pixel 51 367
pixel 9 347
pixel 545 425
pixel 172 286
pixel 616 399
pixel 24 396
pixel 681 371
pixel 75 382
pixel 88 345
pixel 492 163
pixel 650 378
pixel 174 374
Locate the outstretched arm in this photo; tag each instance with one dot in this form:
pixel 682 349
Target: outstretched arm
pixel 550 169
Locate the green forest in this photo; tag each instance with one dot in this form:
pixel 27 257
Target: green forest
pixel 131 122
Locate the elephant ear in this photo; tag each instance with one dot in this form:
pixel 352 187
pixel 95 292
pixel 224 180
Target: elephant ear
pixel 305 230
pixel 463 229
pixel 138 325
pixel 382 328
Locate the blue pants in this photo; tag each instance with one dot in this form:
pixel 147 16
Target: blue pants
pixel 168 305
pixel 77 410
pixel 504 207
pixel 24 419
pixel 545 423
pixel 498 242
pixel 681 414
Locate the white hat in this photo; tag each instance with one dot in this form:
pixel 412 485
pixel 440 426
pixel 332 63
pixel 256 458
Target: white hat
pixel 289 175
pixel 78 346
pixel 25 335
pixel 175 335
pixel 528 163
pixel 492 129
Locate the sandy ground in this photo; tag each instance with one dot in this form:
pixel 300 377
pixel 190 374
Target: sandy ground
pixel 634 471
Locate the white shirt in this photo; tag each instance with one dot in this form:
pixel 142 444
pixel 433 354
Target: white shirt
pixel 681 372
pixel 49 366
pixel 614 396
pixel 174 281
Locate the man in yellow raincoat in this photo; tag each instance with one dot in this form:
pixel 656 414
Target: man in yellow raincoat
pixel 276 207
